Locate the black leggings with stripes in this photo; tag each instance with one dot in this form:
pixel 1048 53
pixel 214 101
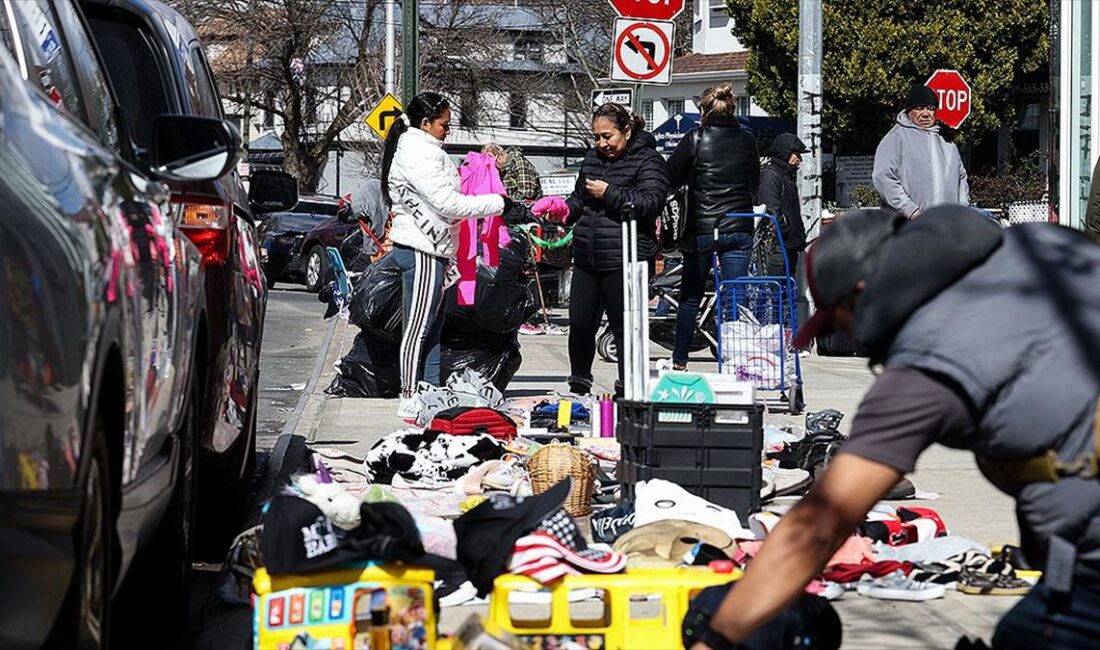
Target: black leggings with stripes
pixel 422 291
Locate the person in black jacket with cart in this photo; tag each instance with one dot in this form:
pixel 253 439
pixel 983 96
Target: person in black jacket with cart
pixel 720 164
pixel 779 195
pixel 622 169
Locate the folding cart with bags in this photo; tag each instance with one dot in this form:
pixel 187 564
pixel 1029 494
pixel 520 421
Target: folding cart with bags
pixel 757 319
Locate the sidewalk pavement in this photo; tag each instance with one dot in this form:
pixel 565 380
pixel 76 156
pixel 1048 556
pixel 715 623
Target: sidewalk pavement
pixel 968 505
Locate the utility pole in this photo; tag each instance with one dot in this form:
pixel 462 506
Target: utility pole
pixel 810 103
pixel 809 112
pixel 391 45
pixel 410 55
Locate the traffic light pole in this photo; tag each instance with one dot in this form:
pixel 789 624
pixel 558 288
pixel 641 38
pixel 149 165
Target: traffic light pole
pixel 410 53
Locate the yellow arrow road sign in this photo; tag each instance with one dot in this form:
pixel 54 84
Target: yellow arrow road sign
pixel 383 115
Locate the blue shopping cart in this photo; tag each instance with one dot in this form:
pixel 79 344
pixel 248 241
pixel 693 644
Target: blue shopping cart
pixel 757 316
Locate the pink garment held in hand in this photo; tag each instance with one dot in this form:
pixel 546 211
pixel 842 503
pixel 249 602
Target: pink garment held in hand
pixel 478 175
pixel 552 206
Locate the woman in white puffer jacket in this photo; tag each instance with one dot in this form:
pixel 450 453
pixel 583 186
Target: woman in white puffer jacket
pixel 421 186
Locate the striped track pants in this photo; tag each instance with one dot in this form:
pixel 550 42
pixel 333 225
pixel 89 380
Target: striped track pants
pixel 422 290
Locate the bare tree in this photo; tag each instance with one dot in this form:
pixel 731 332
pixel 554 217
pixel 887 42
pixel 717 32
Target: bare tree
pixel 312 63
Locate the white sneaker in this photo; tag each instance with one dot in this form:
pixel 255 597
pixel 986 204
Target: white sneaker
pixel 897 586
pixel 409 408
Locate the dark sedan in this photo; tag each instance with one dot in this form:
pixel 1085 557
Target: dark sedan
pixel 361 225
pixel 102 341
pixel 282 234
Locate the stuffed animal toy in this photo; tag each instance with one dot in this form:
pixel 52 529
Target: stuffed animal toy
pixel 341 508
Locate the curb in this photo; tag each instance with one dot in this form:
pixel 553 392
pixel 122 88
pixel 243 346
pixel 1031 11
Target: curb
pixel 288 455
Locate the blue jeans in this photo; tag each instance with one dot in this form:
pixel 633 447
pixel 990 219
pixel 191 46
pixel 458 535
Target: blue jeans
pixel 422 293
pixel 1045 620
pixel 734 255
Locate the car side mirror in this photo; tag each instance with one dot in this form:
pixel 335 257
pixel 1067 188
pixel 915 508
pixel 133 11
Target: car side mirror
pixel 186 148
pixel 272 191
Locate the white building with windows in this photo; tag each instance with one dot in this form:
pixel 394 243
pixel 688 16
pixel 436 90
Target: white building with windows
pixel 716 57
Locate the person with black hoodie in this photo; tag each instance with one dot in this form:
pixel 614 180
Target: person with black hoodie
pixel 779 194
pixel 622 169
pixel 720 164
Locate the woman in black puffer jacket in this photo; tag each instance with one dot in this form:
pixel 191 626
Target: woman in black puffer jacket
pixel 623 168
pixel 720 164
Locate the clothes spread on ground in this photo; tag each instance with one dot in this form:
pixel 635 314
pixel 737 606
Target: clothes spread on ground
pixel 845 573
pixel 428 457
pixel 909 525
pixel 658 499
pixel 487 534
pixel 929 551
pixel 556 549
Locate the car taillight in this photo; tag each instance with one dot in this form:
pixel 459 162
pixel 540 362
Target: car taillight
pixel 207 225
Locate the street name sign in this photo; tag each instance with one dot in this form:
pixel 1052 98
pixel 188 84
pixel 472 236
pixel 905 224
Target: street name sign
pixel 642 51
pixel 648 9
pixel 622 96
pixel 383 115
pixel 954 96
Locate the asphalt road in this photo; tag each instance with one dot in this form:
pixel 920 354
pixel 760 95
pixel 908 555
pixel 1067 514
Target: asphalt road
pixel 294 332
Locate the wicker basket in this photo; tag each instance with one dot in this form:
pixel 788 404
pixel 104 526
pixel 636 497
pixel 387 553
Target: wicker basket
pixel 553 463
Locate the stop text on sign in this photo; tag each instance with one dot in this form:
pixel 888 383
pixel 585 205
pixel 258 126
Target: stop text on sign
pixel 953 100
pixel 648 9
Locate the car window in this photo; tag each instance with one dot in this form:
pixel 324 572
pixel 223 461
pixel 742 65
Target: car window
pixel 138 74
pixel 328 209
pixel 48 62
pixel 97 95
pixel 204 96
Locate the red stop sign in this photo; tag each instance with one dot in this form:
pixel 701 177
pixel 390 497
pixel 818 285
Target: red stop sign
pixel 650 9
pixel 954 95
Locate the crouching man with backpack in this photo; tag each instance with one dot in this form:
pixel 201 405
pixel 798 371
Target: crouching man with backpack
pixel 987 341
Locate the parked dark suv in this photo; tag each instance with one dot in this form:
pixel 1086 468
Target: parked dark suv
pixel 157 65
pixel 103 339
pixel 283 257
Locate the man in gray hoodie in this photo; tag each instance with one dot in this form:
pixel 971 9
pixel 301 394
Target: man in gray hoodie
pixel 915 168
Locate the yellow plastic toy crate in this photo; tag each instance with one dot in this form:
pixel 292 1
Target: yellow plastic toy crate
pixel 332 610
pixel 641 608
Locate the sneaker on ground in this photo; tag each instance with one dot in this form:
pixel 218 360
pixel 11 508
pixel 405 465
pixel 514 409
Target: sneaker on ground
pixel 897 586
pixel 531 329
pixel 462 595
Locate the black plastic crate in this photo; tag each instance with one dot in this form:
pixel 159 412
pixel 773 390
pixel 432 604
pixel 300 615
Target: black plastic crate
pixel 645 424
pixel 712 451
pixel 736 489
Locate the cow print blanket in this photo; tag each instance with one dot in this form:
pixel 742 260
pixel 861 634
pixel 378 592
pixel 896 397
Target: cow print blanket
pixel 432 458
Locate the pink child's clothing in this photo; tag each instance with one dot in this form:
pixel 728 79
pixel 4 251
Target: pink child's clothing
pixel 479 175
pixel 554 206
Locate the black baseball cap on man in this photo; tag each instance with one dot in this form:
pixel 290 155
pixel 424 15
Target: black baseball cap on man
pixel 845 253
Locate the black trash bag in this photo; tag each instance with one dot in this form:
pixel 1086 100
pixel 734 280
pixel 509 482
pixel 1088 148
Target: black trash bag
pixel 376 301
pixel 495 360
pixel 356 251
pixel 502 300
pixel 369 369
